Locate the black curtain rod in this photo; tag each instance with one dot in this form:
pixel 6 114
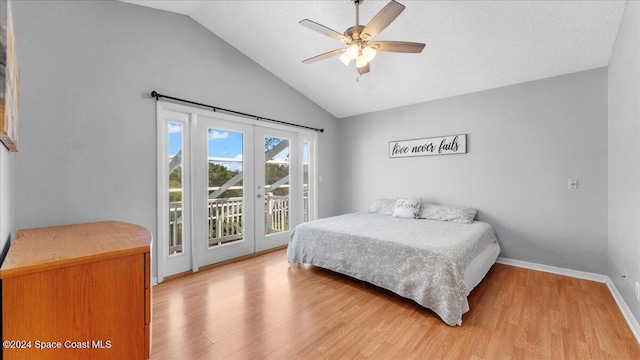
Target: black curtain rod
pixel 215 108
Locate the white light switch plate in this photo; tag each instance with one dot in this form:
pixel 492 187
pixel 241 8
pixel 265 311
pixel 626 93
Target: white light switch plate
pixel 573 183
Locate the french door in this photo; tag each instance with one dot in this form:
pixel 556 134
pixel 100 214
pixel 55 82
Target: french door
pixel 276 150
pixel 227 187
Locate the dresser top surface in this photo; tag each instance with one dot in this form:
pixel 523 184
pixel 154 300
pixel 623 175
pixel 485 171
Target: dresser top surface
pixel 46 248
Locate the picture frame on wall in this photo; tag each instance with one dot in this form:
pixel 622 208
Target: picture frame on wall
pixel 9 80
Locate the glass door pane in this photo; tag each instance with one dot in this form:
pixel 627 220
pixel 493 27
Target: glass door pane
pixel 175 133
pixel 225 189
pixel 276 188
pixel 306 210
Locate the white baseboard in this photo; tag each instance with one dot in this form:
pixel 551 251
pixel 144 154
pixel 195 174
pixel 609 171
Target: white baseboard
pixel 555 270
pixel 626 312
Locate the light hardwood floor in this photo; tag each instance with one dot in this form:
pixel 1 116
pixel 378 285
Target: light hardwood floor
pixel 265 308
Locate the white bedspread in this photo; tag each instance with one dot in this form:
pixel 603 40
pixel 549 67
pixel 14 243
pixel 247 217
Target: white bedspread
pixel 423 260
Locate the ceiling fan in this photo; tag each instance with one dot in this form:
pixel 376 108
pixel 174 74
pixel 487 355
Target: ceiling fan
pixel 358 37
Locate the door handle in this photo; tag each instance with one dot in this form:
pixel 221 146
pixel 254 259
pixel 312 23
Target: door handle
pixel 259 196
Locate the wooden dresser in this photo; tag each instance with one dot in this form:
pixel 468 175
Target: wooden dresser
pixel 77 292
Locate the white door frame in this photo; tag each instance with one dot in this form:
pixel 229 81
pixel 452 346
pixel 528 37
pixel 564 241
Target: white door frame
pixel 189 116
pixel 181 262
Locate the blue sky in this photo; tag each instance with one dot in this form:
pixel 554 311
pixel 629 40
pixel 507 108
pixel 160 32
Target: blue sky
pixel 226 144
pixel 222 143
pixel 175 138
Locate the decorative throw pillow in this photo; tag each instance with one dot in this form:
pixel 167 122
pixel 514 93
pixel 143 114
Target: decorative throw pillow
pixel 407 208
pixel 382 206
pixel 457 214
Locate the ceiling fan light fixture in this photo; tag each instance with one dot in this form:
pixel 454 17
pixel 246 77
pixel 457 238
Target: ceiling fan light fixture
pixel 352 51
pixel 358 37
pixel 368 53
pixel 345 59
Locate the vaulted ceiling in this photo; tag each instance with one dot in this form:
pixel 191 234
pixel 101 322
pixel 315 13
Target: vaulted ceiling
pixel 471 45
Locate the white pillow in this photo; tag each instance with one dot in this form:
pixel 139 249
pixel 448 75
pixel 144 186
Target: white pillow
pixel 457 214
pixel 407 208
pixel 382 206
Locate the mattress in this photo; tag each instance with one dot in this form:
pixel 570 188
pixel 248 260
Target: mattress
pixel 435 263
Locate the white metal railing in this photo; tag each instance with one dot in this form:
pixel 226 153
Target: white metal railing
pixel 225 219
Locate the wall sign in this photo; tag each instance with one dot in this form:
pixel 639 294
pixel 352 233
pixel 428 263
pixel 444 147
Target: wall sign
pixel 444 145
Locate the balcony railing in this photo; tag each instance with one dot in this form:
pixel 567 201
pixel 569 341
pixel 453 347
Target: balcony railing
pixel 175 227
pixel 225 219
pixel 276 217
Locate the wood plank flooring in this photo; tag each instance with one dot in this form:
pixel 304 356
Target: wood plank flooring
pixel 265 308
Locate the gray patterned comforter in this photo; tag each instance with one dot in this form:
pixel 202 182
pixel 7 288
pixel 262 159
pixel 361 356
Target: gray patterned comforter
pixel 423 260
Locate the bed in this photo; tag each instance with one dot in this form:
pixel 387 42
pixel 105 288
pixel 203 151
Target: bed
pixel 435 263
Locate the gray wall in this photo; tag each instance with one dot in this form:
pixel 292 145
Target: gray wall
pixel 624 157
pixel 524 142
pixel 88 134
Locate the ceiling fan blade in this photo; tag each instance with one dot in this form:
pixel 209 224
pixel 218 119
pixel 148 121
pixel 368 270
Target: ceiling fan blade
pixel 323 30
pixel 324 56
pixel 382 19
pixel 397 46
pixel 365 69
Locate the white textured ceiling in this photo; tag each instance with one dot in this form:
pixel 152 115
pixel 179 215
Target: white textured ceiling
pixel 471 45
